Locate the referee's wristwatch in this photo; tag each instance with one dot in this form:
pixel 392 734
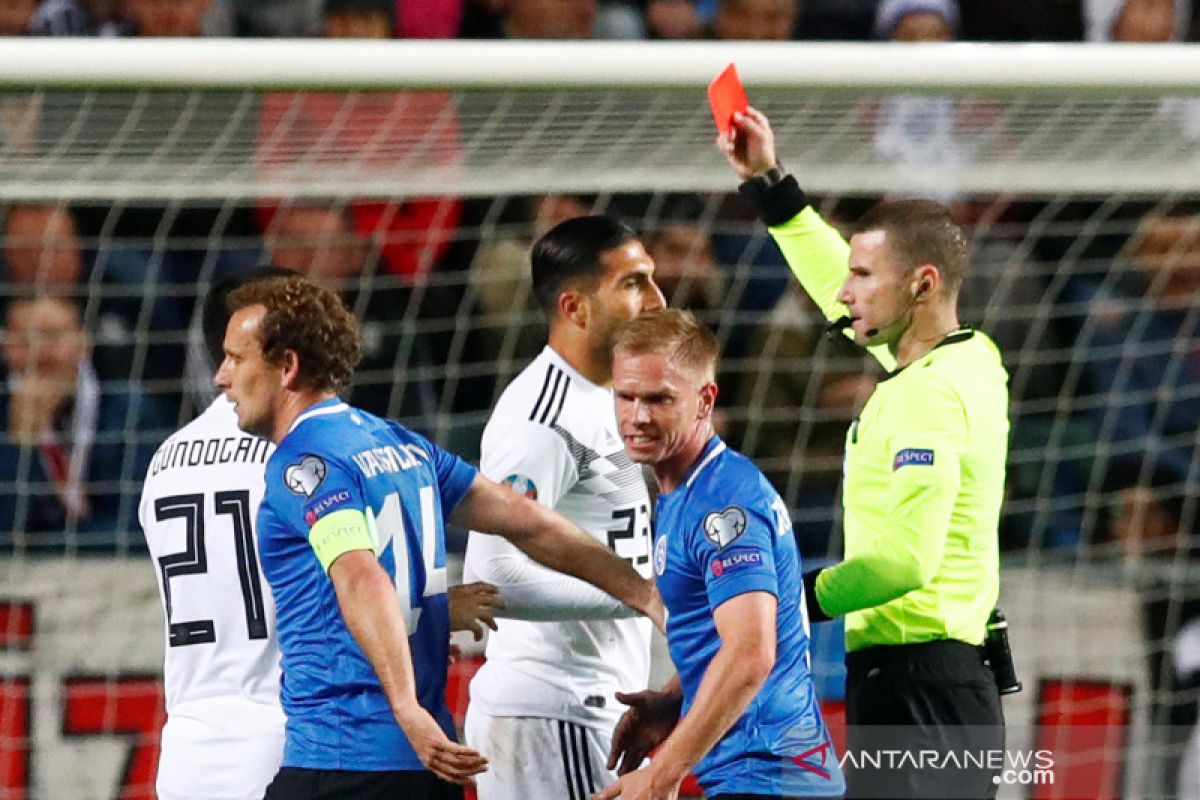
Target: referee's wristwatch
pixel 772 177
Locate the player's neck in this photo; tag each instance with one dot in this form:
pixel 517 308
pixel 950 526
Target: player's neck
pixel 292 406
pixel 575 350
pixel 929 326
pixel 673 470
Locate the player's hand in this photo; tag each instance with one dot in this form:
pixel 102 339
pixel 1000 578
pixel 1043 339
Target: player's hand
pixel 749 146
pixel 473 605
pixel 448 760
pixel 648 722
pixel 651 783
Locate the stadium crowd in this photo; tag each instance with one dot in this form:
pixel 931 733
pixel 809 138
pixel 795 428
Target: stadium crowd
pixel 1105 322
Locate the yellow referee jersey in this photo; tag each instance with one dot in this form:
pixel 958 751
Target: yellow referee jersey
pixel 923 476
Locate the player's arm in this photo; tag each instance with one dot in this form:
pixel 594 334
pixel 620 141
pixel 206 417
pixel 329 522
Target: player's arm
pixel 816 253
pixel 534 461
pixel 926 455
pixel 367 599
pixel 746 625
pixel 551 539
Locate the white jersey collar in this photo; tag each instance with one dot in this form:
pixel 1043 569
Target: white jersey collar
pixel 575 375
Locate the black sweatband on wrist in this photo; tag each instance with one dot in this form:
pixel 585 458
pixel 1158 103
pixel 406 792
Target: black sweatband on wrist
pixel 776 202
pixel 815 612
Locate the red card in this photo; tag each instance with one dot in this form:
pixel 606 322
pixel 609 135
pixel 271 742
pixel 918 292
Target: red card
pixel 727 97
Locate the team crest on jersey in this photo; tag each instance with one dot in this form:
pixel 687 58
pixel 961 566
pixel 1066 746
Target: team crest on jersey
pixel 304 478
pixel 660 555
pixel 522 486
pixel 724 527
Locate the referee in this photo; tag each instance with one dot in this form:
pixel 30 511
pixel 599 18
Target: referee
pixel 923 483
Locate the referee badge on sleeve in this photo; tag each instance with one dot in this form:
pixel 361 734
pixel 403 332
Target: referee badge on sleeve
pixel 913 456
pixel 723 527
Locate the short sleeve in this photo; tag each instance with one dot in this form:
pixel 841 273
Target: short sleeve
pixel 733 547
pixel 454 475
pixel 530 459
pixel 318 496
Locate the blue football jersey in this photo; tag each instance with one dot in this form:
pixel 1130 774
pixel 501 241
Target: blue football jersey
pixel 337 457
pixel 722 533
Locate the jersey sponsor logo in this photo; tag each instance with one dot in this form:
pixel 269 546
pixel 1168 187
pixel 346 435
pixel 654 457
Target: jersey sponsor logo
pixel 914 457
pixel 322 506
pixel 660 555
pixel 734 560
pixel 724 527
pixel 522 485
pixel 304 477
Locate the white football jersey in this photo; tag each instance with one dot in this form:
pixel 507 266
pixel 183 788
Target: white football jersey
pixel 553 436
pixel 221 669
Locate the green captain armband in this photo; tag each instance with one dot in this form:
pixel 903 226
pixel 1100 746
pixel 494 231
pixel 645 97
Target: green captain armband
pixel 339 533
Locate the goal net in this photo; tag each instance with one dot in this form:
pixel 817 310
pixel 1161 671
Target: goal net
pixel 414 177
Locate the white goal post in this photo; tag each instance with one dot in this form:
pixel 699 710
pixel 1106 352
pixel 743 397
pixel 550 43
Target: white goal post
pixel 593 116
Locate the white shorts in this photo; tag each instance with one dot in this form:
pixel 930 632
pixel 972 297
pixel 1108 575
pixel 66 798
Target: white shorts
pixel 199 762
pixel 533 758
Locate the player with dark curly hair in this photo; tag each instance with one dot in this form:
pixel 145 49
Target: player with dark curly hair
pixel 352 543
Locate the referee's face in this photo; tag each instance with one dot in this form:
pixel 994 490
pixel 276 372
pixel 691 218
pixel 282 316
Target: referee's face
pixel 875 292
pixel 247 379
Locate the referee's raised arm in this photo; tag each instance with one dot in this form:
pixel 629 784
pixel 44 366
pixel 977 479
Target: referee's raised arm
pixel 922 484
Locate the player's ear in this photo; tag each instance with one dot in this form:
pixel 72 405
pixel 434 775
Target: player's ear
pixel 573 307
pixel 708 400
pixel 291 369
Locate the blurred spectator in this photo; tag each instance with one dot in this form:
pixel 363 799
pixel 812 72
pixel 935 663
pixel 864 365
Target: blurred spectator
pixel 135 301
pixel 918 20
pixel 756 20
pixel 320 241
pixel 81 18
pixel 1141 340
pixel 69 443
pixel 677 19
pixel 360 19
pixel 16 16
pixel 177 18
pixel 530 19
pixel 1137 20
pixel 919 133
pixel 550 19
pixel 685 267
pixel 253 18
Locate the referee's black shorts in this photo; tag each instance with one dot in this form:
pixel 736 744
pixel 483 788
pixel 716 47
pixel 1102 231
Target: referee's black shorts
pixel 295 783
pixel 922 721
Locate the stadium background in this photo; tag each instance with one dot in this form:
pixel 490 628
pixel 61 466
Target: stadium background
pixel 414 176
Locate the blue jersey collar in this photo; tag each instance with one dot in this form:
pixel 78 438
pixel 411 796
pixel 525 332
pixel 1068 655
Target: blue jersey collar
pixel 711 450
pixel 333 405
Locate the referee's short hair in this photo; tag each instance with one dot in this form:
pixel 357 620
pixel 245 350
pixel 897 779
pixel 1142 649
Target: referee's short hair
pixel 674 333
pixel 569 255
pixel 215 313
pixel 920 232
